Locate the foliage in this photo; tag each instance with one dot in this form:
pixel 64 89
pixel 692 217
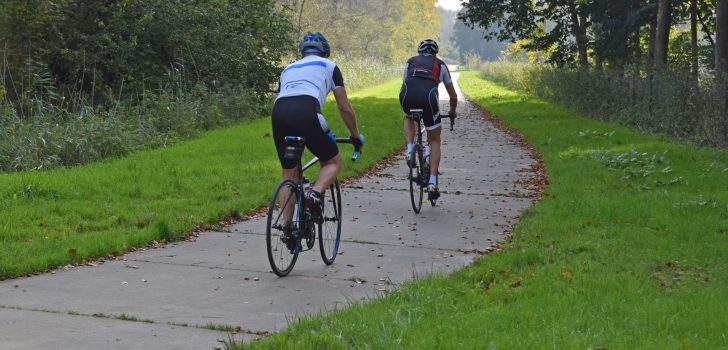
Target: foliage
pixel 579 31
pixel 670 102
pixel 54 137
pixel 387 29
pixel 118 48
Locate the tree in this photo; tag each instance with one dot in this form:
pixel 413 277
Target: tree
pixel 662 34
pixel 418 20
pixel 564 25
pixel 106 48
pixel 384 29
pixel 470 40
pixel 721 51
pixel 694 63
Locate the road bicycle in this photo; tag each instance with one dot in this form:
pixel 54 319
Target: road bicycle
pixel 291 226
pixel 419 164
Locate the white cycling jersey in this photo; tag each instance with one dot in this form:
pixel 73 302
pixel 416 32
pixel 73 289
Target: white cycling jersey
pixel 312 76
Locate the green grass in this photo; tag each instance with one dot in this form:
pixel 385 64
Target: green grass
pixel 52 218
pixel 627 250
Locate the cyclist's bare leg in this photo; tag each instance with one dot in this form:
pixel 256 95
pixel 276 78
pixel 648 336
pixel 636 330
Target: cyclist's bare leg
pixel 327 175
pixel 409 129
pixel 433 138
pixel 287 174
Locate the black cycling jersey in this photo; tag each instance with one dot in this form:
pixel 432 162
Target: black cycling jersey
pixel 428 67
pixel 422 75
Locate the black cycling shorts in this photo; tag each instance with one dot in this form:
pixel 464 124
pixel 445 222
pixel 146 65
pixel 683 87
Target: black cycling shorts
pixel 301 116
pixel 418 93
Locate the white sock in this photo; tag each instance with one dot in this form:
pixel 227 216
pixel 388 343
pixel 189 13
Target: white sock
pixel 410 147
pixel 433 179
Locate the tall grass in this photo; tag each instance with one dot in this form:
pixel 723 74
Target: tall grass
pixel 668 102
pixel 55 135
pixel 52 131
pixel 361 72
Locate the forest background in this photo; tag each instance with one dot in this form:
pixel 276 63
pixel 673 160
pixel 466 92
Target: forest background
pixel 82 81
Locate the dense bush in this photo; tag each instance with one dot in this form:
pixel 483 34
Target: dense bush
pixel 117 48
pixel 54 137
pixel 670 102
pixel 84 81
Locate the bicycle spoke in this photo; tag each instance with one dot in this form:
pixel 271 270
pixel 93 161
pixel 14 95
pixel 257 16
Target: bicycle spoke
pixel 282 254
pixel 330 228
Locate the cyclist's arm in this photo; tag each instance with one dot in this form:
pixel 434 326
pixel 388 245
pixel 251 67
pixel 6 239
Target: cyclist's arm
pixel 346 111
pixel 453 99
pixel 446 79
pixel 342 101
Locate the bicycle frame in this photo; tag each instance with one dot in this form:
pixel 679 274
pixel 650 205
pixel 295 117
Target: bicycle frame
pixel 287 227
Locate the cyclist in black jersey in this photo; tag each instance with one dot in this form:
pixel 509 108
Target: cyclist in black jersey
pixel 422 74
pixel 304 86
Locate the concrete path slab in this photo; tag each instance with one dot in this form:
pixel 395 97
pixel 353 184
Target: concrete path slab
pixel 181 295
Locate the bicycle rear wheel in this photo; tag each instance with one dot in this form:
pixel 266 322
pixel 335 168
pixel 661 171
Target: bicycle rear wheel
pixel 330 228
pixel 415 177
pixel 283 220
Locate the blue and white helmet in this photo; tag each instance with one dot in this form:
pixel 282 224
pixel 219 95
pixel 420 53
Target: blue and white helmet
pixel 314 43
pixel 428 46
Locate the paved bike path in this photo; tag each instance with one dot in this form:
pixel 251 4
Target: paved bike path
pixel 172 297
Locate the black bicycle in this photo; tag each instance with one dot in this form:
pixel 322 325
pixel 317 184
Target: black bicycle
pixel 419 164
pixel 291 227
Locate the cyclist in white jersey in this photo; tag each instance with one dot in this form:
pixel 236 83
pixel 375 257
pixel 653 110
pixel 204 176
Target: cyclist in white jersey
pixel 304 86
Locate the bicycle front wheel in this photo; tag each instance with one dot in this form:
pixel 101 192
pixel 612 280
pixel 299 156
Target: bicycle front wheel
pixel 283 220
pixel 330 228
pixel 415 177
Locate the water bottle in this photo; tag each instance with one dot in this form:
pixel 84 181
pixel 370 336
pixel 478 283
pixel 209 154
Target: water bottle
pixel 307 186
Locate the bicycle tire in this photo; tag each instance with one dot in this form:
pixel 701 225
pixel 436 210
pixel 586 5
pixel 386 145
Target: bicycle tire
pixel 330 229
pixel 415 178
pixel 280 256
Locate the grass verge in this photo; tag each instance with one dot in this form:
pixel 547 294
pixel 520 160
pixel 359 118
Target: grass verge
pixel 625 251
pixel 66 216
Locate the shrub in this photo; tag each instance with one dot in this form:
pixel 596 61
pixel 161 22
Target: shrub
pixel 52 136
pixel 670 102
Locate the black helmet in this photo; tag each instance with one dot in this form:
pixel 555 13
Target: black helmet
pixel 428 46
pixel 314 43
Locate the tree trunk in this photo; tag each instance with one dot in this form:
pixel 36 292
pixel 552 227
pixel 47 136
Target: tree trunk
pixel 637 50
pixel 694 37
pixel 721 37
pixel 300 16
pixel 651 64
pixel 598 63
pixel 651 47
pixel 721 54
pixel 579 29
pixel 662 36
